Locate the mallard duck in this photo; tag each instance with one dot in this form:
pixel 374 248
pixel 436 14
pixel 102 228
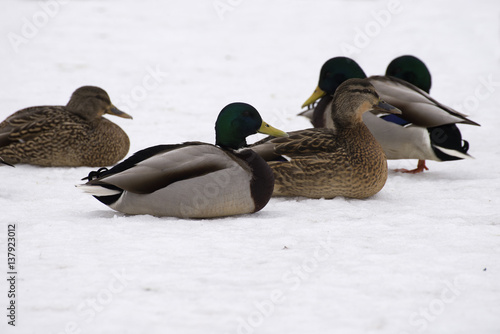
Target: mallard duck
pixel 193 179
pixel 341 160
pixel 425 130
pixel 71 135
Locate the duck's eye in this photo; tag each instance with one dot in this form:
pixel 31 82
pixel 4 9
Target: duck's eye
pixel 102 98
pixel 246 113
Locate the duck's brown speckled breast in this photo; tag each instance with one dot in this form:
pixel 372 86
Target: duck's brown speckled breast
pixel 352 165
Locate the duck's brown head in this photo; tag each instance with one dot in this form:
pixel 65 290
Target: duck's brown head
pixel 353 98
pixel 90 103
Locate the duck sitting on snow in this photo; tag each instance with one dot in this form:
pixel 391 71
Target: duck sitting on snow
pixel 341 160
pixel 426 129
pixel 193 179
pixel 71 135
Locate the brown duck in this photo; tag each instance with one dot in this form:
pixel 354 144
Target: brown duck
pixel 343 160
pixel 71 135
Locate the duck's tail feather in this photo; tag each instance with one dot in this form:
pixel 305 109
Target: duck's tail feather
pixel 2 161
pixel 107 194
pixel 98 190
pixel 454 153
pixel 447 143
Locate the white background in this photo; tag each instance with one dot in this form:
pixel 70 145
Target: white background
pixel 421 256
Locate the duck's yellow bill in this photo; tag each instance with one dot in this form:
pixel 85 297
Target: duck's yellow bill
pixel 269 130
pixel 318 93
pixel 117 112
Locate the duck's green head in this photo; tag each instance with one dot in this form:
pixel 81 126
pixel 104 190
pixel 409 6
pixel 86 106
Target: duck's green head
pixel 238 121
pixel 333 73
pixel 412 70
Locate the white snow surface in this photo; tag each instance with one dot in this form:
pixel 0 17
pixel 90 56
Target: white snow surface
pixel 421 256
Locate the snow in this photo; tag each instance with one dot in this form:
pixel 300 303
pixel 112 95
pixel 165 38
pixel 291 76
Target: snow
pixel 421 256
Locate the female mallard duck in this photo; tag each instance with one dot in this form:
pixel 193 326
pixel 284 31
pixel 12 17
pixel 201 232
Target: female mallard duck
pixel 193 179
pixel 341 160
pixel 71 135
pixel 425 130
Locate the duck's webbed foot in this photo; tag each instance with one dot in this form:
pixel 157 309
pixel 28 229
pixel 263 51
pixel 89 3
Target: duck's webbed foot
pixel 420 168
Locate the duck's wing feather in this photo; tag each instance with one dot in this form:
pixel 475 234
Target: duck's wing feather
pixel 417 106
pixel 302 142
pixel 27 123
pixel 3 162
pixel 159 166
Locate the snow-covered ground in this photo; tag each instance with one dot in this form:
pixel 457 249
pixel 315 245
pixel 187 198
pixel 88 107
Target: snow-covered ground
pixel 422 256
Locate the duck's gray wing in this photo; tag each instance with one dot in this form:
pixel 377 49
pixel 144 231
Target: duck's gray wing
pixel 417 106
pixel 175 163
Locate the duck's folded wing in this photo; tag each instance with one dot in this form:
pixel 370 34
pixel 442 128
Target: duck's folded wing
pixel 4 138
pixel 157 167
pixel 417 106
pixel 302 142
pixel 27 123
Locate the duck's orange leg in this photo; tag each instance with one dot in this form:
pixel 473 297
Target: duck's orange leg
pixel 420 168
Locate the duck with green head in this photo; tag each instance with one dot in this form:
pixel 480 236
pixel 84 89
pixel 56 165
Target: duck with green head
pixel 426 129
pixel 193 179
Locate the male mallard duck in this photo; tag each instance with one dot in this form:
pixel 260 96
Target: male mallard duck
pixel 71 135
pixel 341 160
pixel 425 130
pixel 193 179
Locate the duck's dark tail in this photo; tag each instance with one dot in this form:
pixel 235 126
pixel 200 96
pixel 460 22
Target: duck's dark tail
pixel 106 193
pixel 447 143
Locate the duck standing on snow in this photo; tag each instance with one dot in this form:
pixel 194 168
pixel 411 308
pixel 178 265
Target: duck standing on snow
pixel 426 129
pixel 341 160
pixel 71 135
pixel 193 179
